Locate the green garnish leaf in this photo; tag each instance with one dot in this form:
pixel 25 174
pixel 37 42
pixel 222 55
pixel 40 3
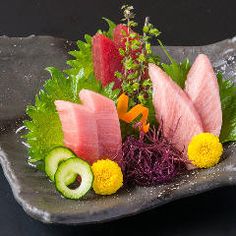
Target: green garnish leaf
pixel 111 28
pixel 177 71
pixel 83 58
pixel 228 105
pixel 110 92
pixel 44 126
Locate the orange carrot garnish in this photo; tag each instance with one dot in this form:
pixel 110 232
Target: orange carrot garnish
pixel 134 112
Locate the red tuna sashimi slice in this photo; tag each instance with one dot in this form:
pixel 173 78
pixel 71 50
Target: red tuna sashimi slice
pixel 106 59
pixel 202 88
pixel 108 125
pixel 174 109
pixel 79 129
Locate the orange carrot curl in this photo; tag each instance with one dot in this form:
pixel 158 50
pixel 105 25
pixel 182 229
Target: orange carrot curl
pixel 129 116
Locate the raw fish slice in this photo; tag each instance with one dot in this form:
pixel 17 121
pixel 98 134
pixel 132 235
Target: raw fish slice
pixel 106 60
pixel 108 125
pixel 91 130
pixel 80 129
pixel 202 88
pixel 174 109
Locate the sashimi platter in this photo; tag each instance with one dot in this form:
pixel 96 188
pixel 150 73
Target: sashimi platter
pixel 119 117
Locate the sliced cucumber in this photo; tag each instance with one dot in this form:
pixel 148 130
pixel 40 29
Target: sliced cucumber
pixel 53 160
pixel 74 166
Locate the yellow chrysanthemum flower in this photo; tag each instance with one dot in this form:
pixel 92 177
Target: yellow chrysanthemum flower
pixel 108 177
pixel 205 150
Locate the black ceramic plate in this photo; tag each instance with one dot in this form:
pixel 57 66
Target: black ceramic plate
pixel 22 63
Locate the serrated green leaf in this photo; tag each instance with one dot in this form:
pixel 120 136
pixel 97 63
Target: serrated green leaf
pixel 178 71
pixel 88 38
pixel 111 28
pixel 83 58
pixel 110 92
pixel 228 105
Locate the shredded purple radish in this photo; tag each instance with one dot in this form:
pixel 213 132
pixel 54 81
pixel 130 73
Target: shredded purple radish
pixel 151 159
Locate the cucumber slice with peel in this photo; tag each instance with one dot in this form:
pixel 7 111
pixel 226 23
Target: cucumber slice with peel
pixel 54 158
pixel 74 166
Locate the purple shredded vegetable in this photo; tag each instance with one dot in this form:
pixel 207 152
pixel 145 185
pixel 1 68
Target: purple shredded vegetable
pixel 151 159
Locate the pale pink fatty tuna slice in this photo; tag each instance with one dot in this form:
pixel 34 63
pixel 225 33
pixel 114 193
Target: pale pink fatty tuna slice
pixel 108 125
pixel 92 129
pixel 202 88
pixel 79 129
pixel 174 109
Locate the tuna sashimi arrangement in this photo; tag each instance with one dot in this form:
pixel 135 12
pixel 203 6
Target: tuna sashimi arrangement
pixel 120 116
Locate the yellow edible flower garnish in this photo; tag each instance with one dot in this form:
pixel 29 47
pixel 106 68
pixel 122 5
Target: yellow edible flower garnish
pixel 205 150
pixel 108 177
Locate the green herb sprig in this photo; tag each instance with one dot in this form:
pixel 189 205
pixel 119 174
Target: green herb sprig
pixel 136 56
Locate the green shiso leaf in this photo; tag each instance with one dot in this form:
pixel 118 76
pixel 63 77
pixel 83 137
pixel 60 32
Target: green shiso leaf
pixel 228 105
pixel 44 126
pixel 111 28
pixel 108 91
pixel 177 71
pixel 82 58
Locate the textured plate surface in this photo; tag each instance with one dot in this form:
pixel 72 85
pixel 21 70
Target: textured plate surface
pixel 22 63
